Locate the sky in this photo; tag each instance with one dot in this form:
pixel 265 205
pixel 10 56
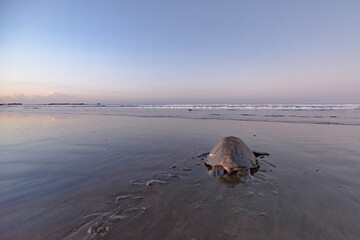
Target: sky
pixel 151 52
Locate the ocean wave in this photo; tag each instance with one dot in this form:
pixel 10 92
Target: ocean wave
pixel 232 107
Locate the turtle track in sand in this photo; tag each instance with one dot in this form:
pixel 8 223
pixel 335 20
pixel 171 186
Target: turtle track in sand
pixel 125 207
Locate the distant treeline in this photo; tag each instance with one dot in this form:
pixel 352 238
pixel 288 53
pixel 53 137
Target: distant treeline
pixel 11 104
pixel 52 104
pixel 65 104
pixel 55 104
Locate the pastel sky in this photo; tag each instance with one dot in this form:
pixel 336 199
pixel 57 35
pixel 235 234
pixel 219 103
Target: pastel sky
pixel 167 51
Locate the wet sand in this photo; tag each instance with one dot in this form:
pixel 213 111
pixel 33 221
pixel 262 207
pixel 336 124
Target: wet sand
pixel 70 176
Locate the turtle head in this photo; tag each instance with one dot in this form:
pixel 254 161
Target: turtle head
pixel 235 178
pixel 217 171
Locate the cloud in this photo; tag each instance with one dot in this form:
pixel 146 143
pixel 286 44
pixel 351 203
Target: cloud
pixel 50 97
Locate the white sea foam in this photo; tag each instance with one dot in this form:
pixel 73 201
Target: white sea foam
pixel 253 106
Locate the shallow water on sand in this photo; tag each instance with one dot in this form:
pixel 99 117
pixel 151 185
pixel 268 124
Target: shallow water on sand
pixel 69 176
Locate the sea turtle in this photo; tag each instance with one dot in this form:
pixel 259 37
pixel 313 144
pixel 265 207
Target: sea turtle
pixel 230 155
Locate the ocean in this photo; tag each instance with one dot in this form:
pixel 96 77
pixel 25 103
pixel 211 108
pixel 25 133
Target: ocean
pixel 341 114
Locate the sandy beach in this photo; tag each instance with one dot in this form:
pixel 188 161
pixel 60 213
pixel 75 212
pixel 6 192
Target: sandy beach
pixel 77 176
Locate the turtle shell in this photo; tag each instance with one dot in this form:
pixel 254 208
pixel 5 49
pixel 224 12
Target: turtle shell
pixel 232 154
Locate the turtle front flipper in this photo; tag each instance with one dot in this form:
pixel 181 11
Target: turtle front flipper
pixel 258 154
